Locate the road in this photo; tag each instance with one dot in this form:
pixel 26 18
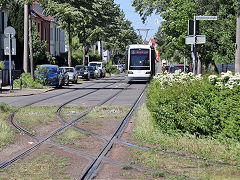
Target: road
pixel 105 88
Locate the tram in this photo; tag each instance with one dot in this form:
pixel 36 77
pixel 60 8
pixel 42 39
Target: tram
pixel 140 62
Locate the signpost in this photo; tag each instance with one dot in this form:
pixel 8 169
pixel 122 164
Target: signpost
pixel 200 39
pixel 10 48
pixel 195 38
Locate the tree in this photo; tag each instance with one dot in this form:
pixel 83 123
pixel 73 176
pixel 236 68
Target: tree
pixel 68 13
pixel 220 34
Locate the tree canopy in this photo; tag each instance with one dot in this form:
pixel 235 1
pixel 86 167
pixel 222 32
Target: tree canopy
pixel 220 34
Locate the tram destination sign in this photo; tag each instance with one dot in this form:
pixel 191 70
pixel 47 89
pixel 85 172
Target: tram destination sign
pixel 211 18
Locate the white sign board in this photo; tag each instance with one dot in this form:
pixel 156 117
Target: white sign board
pixel 200 39
pixel 206 18
pixel 6 46
pixel 9 30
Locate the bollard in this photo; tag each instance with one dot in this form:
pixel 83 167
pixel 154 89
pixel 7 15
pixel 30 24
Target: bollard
pixel 21 82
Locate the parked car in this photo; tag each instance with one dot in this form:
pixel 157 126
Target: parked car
pixel 100 65
pixel 123 66
pixel 175 67
pixel 165 68
pixel 65 75
pixel 97 71
pixel 55 77
pixel 82 72
pixel 92 71
pixel 72 74
pixel 119 67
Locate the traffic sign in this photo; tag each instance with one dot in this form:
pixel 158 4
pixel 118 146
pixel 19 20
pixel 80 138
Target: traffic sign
pixel 200 39
pixel 9 30
pixel 6 46
pixel 206 18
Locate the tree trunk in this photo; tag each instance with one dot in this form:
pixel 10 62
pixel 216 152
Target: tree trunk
pixel 31 46
pixel 25 50
pixel 84 46
pixel 237 56
pixel 94 49
pixel 69 45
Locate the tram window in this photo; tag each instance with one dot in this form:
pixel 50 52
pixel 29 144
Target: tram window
pixel 139 59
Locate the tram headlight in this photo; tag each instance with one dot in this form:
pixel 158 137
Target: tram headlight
pixel 148 72
pixel 130 72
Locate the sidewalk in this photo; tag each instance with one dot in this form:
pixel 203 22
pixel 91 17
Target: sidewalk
pixel 5 92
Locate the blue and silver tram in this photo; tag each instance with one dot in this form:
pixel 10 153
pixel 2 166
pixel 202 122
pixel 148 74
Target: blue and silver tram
pixel 140 62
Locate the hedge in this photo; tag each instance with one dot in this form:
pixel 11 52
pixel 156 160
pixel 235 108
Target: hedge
pixel 203 106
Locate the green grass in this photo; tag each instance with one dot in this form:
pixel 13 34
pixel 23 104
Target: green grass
pixel 7 134
pixel 108 112
pixel 41 166
pixel 69 136
pixel 73 112
pixel 147 133
pixel 31 117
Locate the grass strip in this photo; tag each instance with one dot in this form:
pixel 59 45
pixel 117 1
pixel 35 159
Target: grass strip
pixel 149 134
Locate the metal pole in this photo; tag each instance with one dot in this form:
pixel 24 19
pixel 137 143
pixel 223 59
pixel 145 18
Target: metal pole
pixel 194 45
pixel 10 61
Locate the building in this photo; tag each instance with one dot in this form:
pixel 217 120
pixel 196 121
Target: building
pixel 49 30
pixel 153 43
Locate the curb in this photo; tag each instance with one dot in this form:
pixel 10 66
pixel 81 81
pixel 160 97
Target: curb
pixel 28 93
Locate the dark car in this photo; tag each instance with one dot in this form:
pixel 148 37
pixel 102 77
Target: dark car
pixel 55 77
pixel 165 68
pixel 175 67
pixel 92 71
pixel 65 75
pixel 82 72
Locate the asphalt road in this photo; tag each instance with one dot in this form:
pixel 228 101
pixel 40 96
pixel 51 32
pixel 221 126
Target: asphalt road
pixel 101 89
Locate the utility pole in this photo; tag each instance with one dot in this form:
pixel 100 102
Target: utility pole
pixel 25 48
pixel 237 56
pixel 31 46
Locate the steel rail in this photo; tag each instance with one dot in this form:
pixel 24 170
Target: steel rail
pixel 94 165
pixel 10 161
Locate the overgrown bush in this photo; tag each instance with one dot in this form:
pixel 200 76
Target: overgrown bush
pixel 111 69
pixel 185 103
pixel 41 75
pixel 27 82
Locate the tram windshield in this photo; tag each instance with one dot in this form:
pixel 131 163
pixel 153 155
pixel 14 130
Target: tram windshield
pixel 139 59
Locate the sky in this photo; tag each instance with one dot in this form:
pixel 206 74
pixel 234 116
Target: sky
pixel 134 17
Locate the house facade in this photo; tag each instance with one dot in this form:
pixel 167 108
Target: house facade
pixel 153 43
pixel 49 30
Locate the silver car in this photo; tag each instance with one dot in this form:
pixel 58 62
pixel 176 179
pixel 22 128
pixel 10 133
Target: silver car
pixel 72 73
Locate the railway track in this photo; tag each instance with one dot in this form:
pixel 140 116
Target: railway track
pixel 91 169
pixel 41 141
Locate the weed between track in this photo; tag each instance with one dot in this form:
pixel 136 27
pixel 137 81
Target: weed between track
pixel 7 134
pixel 40 166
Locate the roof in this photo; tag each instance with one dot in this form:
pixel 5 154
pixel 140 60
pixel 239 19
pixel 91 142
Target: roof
pixel 38 10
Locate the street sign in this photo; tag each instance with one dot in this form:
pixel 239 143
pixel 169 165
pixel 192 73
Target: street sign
pixel 200 39
pixel 9 30
pixel 6 46
pixel 206 18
